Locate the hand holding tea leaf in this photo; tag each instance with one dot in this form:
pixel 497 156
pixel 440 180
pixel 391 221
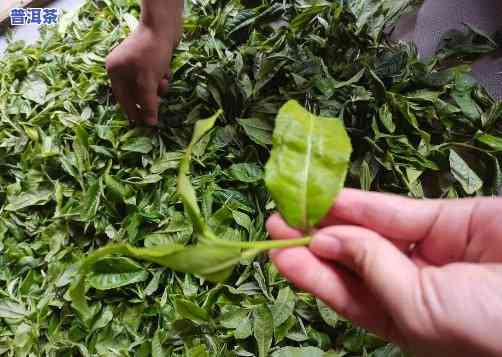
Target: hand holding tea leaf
pixel 76 183
pixel 432 299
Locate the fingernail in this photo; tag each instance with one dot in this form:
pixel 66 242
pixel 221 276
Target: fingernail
pixel 325 245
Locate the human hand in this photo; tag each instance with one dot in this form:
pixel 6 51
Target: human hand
pixel 425 274
pixel 139 72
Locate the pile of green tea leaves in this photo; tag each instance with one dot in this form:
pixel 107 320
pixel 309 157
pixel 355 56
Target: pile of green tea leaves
pixel 74 176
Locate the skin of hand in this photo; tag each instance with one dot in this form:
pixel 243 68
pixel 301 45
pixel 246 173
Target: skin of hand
pixel 424 274
pixel 139 67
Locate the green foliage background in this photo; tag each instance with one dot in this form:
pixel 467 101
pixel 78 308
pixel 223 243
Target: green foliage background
pixel 74 176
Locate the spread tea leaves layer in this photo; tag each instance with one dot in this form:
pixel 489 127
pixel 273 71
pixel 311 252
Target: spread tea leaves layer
pixel 76 179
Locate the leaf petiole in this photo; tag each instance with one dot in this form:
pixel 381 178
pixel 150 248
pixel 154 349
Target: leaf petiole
pixel 264 245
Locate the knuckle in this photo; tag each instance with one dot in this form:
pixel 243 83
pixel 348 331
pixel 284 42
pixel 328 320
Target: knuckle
pixel 117 64
pixel 361 255
pixel 111 63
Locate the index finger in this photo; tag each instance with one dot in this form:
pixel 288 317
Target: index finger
pixel 390 215
pixel 147 102
pixel 125 99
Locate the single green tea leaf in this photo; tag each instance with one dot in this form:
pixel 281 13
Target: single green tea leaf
pixel 142 145
pixel 118 190
pixel 232 316
pixel 469 180
pixel 12 310
pixel 90 202
pixel 284 306
pixel 263 329
pixel 328 314
pixel 188 310
pixel 184 186
pixel 79 301
pixel 385 116
pixel 281 331
pixel 308 164
pixel 35 89
pixel 156 348
pixel 365 176
pixel 493 142
pixel 28 199
pixel 202 127
pixel 167 161
pixel 258 130
pixel 114 272
pixel 244 329
pixel 242 220
pixel 300 352
pixel 211 262
pixel 245 172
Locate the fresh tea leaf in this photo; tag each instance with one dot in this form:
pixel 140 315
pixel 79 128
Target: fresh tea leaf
pixel 245 172
pixel 114 272
pixel 258 130
pixel 300 352
pixel 142 145
pixel 184 187
pixel 28 199
pixel 493 142
pixel 469 180
pixel 188 310
pixel 284 306
pixel 35 89
pixel 327 313
pixel 61 132
pixel 262 328
pixel 308 164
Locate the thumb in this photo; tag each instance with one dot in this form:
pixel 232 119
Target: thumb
pixel 386 271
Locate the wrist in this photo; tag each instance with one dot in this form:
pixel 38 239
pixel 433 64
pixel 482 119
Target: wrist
pixel 163 19
pixel 164 36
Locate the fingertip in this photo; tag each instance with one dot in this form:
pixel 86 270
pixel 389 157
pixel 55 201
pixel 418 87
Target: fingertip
pixel 163 86
pixel 147 104
pixel 151 120
pixel 131 115
pixel 149 114
pixel 273 220
pixel 279 229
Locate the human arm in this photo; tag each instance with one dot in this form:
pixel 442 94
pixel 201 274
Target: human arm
pixel 441 298
pixel 139 67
